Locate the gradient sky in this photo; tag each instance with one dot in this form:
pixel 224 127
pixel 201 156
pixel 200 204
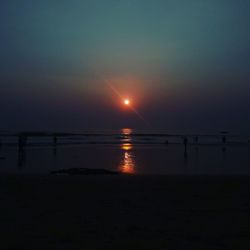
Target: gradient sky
pixel 184 64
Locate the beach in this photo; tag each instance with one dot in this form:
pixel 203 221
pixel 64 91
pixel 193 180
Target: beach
pixel 124 125
pixel 124 212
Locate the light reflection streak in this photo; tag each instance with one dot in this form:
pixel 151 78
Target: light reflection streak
pixel 127 165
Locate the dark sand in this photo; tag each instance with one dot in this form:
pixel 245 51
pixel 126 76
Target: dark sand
pixel 124 212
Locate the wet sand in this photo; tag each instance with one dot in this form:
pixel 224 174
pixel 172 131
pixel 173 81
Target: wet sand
pixel 124 212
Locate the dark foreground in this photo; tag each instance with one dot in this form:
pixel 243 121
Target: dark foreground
pixel 124 212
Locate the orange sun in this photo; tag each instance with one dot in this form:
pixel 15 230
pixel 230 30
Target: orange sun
pixel 126 102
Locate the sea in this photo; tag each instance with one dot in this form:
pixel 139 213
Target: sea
pixel 128 151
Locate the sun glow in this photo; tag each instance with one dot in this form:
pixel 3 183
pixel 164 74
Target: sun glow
pixel 126 102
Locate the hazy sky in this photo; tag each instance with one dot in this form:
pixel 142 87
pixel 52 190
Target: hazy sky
pixel 184 64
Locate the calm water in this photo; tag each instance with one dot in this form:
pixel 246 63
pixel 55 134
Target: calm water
pixel 143 154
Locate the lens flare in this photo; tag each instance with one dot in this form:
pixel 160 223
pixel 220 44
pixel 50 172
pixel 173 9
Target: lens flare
pixel 125 102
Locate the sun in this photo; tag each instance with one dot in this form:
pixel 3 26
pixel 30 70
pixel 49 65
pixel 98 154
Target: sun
pixel 126 102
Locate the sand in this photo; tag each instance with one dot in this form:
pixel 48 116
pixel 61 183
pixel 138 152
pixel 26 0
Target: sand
pixel 124 212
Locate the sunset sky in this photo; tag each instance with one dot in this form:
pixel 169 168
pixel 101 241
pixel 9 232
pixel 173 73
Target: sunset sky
pixel 184 65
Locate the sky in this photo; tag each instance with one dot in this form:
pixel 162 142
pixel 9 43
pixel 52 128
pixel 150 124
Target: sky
pixel 185 65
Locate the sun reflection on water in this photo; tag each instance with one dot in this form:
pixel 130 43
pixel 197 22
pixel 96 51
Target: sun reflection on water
pixel 127 131
pixel 127 164
pixel 126 146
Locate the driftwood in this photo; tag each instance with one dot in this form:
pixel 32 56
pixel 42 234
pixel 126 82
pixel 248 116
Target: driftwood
pixel 85 171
